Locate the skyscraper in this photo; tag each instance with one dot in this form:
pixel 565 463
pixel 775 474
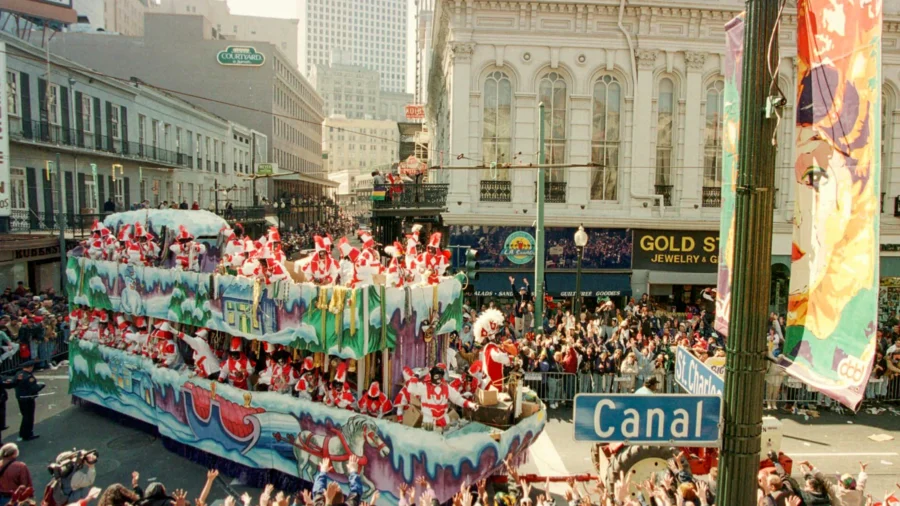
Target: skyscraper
pixel 371 33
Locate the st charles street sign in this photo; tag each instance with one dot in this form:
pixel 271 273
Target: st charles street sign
pixel 241 56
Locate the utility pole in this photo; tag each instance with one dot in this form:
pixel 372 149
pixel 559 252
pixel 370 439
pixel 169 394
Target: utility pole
pixel 539 237
pixel 61 222
pixel 746 345
pixel 253 167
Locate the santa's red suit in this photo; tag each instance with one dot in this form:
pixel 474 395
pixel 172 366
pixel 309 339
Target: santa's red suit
pixel 206 364
pixel 347 263
pixel 320 267
pixel 374 403
pixel 133 254
pixel 436 395
pixel 308 386
pixel 396 276
pixel 237 368
pixel 403 396
pixel 187 251
pixel 339 393
pixel 474 380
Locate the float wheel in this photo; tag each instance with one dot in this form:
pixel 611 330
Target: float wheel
pixel 641 462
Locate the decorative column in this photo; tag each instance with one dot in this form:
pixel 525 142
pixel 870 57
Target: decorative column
pixel 643 111
pixel 460 55
pixel 691 181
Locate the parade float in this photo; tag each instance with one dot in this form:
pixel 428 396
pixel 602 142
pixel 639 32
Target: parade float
pixel 379 330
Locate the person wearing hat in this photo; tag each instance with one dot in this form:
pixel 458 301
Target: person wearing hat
pixel 27 389
pixel 237 368
pixel 206 365
pixel 339 394
pixel 375 403
pixel 308 386
pixel 523 297
pixel 187 251
pixel 436 394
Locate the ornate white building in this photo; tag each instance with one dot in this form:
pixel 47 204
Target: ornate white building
pixel 633 85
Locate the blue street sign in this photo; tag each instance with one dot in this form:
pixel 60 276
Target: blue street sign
pixel 660 420
pixel 694 376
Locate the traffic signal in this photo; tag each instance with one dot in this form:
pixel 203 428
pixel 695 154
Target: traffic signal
pixel 472 264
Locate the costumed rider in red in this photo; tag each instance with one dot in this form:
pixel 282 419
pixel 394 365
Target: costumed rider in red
pixel 271 269
pixel 166 348
pixel 374 403
pixel 237 249
pixel 368 263
pixel 492 356
pixel 95 246
pixel 187 251
pixel 396 276
pixel 147 243
pixel 412 255
pixel 434 262
pixel 339 394
pixel 436 394
pixel 404 397
pixel 347 263
pixel 280 375
pixel 206 364
pixel 237 368
pixel 124 237
pixel 136 340
pixel 320 267
pixel 308 386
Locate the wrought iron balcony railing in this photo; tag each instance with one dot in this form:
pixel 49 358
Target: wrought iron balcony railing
pixel 666 191
pixel 554 192
pixel 712 196
pixel 496 191
pixel 407 196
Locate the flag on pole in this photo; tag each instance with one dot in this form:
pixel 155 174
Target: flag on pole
pixel 833 302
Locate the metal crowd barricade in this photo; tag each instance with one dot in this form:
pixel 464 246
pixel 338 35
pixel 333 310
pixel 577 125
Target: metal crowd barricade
pixel 53 351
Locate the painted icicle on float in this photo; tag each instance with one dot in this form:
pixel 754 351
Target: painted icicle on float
pixel 264 430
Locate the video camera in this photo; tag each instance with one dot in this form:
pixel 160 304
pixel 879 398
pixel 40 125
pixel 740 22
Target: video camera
pixel 68 462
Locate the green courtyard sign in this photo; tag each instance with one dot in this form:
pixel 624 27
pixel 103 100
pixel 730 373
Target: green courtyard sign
pixel 241 56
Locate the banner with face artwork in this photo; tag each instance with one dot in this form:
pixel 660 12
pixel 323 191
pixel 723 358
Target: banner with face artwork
pixel 734 45
pixel 831 324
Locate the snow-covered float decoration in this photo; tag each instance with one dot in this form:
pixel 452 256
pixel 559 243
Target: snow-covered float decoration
pixel 263 430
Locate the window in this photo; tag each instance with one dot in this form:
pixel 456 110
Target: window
pixel 142 127
pixel 87 114
pixel 665 113
pixel 119 191
pixel 607 113
pixel 199 155
pixel 167 129
pixel 178 140
pixel 154 133
pixel 497 128
pixel 552 92
pixel 114 114
pixel 90 193
pixel 18 195
pixel 12 92
pixel 216 154
pixel 712 142
pixel 53 106
pixel 208 161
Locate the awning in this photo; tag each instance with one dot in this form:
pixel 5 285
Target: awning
pixel 683 278
pixel 890 267
pixel 496 284
pixel 592 284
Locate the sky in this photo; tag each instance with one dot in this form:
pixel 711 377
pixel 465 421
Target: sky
pixel 288 9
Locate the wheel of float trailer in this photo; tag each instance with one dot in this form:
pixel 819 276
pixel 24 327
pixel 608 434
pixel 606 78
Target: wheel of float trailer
pixel 640 462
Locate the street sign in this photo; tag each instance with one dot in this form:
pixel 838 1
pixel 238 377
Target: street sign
pixel 694 376
pixel 415 111
pixel 240 56
pixel 655 420
pixel 266 169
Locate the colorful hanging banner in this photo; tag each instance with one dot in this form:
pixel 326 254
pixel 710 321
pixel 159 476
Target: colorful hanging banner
pixel 833 304
pixel 734 46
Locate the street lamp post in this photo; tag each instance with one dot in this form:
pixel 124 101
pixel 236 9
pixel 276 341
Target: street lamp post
pixel 581 239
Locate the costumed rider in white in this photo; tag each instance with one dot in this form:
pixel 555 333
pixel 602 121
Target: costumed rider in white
pixel 436 394
pixel 492 357
pixel 206 364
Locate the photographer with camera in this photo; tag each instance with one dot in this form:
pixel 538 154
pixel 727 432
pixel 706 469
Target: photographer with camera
pixel 73 475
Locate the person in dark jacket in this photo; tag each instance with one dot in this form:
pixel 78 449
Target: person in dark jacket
pixel 109 206
pixel 184 205
pixel 27 390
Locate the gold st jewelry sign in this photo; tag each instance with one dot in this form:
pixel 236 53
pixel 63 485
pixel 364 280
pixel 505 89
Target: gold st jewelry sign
pixel 687 251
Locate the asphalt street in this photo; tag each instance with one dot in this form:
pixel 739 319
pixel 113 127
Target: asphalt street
pixel 835 443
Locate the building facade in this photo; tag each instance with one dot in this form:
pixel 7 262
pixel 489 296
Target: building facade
pixel 281 33
pixel 119 143
pixel 371 32
pixel 392 105
pixel 360 146
pixel 275 99
pixel 635 90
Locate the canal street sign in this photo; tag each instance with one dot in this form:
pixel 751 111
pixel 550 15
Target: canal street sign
pixel 655 420
pixel 240 56
pixel 694 376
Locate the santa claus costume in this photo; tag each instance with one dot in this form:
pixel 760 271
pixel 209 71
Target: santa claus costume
pixel 206 365
pixel 308 386
pixel 396 276
pixel 436 395
pixel 95 246
pixel 273 241
pixel 492 356
pixel 320 267
pixel 271 270
pixel 188 252
pixel 404 398
pixel 433 263
pixel 368 263
pixel 121 249
pixel 374 403
pixel 167 353
pixel 347 263
pixel 237 368
pixel 136 341
pixel 280 375
pixel 339 393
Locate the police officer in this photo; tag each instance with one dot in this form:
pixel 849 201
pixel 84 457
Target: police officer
pixel 27 389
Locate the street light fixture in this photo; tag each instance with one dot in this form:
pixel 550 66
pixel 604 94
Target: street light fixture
pixel 581 239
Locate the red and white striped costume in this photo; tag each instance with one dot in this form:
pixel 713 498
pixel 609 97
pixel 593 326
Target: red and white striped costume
pixel 206 363
pixel 374 403
pixel 163 337
pixel 237 249
pixel 121 248
pixel 396 276
pixel 368 262
pixel 339 393
pixel 347 263
pixel 147 242
pixel 492 357
pixel 436 399
pixel 187 251
pixel 404 397
pixel 320 267
pixel 136 341
pixel 236 371
pixel 308 386
pixel 279 377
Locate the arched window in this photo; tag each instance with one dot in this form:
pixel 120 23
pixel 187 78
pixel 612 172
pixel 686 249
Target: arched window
pixel 497 125
pixel 665 114
pixel 607 107
pixel 712 144
pixel 554 95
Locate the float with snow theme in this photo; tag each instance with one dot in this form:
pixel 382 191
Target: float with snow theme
pixel 270 437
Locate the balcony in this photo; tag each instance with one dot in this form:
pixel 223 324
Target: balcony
pixel 496 191
pixel 409 199
pixel 31 222
pixel 666 191
pixel 712 196
pixel 45 133
pixel 554 192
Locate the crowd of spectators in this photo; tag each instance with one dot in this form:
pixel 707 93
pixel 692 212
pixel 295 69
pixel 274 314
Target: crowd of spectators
pixel 31 324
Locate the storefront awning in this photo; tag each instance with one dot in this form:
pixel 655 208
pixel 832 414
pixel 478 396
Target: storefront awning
pixel 682 278
pixel 592 284
pixel 496 284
